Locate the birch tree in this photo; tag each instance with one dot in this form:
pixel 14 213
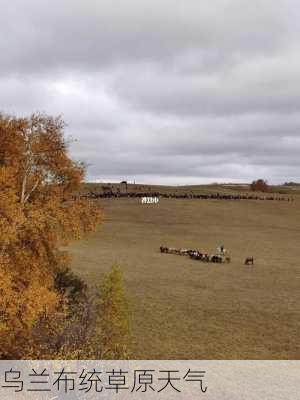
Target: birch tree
pixel 39 210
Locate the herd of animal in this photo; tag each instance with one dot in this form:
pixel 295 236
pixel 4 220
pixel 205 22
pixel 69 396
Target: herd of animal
pixel 195 254
pixel 212 196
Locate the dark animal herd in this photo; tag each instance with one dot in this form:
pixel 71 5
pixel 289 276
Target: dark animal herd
pixel 196 255
pixel 202 256
pixel 212 196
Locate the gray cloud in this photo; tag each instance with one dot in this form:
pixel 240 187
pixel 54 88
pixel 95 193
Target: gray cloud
pixel 164 91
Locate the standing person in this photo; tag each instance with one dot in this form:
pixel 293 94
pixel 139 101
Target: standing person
pixel 221 249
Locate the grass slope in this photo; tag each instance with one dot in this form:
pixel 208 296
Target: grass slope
pixel 185 309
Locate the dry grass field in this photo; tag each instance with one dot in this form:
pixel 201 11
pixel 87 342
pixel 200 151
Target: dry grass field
pixel 186 309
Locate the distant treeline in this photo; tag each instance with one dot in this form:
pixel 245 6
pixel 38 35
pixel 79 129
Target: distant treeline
pixel 291 184
pixel 213 196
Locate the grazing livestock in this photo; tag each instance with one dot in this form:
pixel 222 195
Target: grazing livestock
pixel 153 197
pixel 216 259
pixel 184 252
pixel 249 260
pixel 164 249
pixel 195 254
pixel 205 257
pixel 172 250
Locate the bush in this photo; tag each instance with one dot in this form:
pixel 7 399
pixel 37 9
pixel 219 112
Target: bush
pixel 113 327
pixel 86 325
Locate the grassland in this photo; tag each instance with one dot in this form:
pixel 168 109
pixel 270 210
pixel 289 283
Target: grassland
pixel 190 189
pixel 186 309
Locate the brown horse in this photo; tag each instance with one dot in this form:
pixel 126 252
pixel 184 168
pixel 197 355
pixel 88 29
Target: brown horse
pixel 249 260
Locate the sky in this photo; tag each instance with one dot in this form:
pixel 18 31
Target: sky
pixel 162 92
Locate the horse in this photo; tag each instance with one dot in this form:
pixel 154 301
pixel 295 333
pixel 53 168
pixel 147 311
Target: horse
pixel 195 255
pixel 224 258
pixel 249 260
pixel 198 255
pixel 216 259
pixel 164 249
pixel 172 250
pixel 192 252
pixel 184 252
pixel 205 257
pixel 219 259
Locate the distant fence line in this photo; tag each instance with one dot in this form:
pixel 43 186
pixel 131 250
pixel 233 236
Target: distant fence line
pixel 212 196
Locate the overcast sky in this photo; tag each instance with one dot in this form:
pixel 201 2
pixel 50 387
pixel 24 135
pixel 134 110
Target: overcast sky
pixel 161 91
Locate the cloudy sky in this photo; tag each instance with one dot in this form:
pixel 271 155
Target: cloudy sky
pixel 161 91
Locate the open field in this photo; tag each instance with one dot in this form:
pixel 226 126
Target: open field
pixel 186 309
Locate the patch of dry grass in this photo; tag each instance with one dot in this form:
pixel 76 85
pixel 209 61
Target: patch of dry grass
pixel 186 309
